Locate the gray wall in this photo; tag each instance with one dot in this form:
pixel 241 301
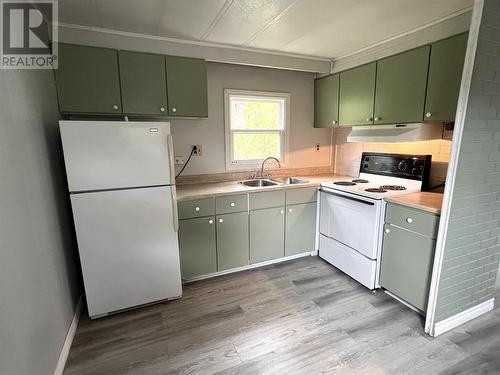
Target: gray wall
pixel 210 132
pixel 38 291
pixel 472 249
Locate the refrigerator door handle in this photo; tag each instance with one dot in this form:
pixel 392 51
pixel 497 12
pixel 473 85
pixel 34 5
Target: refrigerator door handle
pixel 175 215
pixel 170 145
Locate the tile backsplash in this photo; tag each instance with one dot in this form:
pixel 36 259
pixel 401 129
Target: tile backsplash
pixel 347 156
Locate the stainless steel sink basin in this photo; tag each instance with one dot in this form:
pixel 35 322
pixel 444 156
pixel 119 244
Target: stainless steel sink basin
pixel 259 182
pixel 292 181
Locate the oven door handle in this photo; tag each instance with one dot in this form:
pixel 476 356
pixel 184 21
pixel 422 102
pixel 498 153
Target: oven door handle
pixel 347 197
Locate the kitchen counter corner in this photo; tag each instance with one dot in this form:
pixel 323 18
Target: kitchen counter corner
pixel 426 201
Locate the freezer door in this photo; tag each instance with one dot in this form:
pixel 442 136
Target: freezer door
pixel 128 247
pixel 103 155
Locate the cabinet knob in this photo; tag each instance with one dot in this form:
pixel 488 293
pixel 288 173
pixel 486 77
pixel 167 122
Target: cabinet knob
pixel 428 114
pixel 174 109
pixel 221 220
pixel 282 211
pixel 115 107
pixel 197 209
pixel 409 220
pixel 162 109
pixel 369 119
pixel 334 122
pixel 387 230
pixel 378 118
pixel 210 221
pixel 232 204
pixel 290 210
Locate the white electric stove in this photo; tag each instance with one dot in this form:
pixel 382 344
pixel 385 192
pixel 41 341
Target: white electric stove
pixel 352 211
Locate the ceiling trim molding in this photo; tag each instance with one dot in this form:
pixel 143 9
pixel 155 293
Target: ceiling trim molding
pixel 406 33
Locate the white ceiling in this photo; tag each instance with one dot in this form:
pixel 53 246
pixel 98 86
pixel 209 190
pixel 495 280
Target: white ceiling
pixel 325 28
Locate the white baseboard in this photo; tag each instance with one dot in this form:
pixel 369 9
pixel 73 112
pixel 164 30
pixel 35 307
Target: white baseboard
pixel 463 317
pixel 63 357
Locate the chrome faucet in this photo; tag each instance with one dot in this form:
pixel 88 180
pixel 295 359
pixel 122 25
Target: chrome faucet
pixel 264 162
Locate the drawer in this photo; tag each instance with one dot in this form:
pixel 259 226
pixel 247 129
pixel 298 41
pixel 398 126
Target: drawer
pixel 418 221
pixel 267 199
pixel 231 203
pixel 302 195
pixel 196 208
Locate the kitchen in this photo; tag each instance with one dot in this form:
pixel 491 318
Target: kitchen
pixel 260 209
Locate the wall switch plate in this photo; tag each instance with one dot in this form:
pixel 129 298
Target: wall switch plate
pixel 178 160
pixel 197 151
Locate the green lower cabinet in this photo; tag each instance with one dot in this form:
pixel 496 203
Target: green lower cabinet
pixel 197 246
pixel 400 87
pixel 232 241
pixel 267 238
pixel 407 260
pixel 300 231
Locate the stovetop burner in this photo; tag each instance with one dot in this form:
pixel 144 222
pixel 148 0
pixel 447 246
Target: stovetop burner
pixel 344 183
pixel 360 181
pixel 376 190
pixel 392 187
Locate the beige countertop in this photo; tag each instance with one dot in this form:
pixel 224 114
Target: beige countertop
pixel 430 202
pixel 196 191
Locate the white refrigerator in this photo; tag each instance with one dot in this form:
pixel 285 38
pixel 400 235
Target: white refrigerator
pixel 122 186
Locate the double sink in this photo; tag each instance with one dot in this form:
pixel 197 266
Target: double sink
pixel 263 182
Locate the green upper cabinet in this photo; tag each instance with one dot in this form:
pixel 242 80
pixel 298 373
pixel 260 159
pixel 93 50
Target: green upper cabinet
pixel 87 80
pixel 187 87
pixel 400 87
pixel 357 95
pixel 445 73
pixel 326 101
pixel 143 83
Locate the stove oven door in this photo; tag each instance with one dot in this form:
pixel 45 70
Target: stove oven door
pixel 352 220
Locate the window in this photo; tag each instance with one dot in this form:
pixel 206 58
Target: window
pixel 256 127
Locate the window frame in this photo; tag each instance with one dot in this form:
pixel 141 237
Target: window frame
pixel 242 165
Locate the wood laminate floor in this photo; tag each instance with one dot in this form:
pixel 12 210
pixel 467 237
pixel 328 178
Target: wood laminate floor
pixel 299 317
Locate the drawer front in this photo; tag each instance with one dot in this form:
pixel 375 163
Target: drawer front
pixel 417 221
pixel 302 195
pixel 231 203
pixel 268 199
pixel 196 208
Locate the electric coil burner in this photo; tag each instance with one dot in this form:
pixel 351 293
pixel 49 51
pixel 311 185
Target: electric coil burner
pixel 351 222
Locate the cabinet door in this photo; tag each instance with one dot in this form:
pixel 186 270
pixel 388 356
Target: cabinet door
pixel 267 234
pixel 143 82
pixel 400 87
pixel 407 260
pixel 197 245
pixel 300 231
pixel 87 80
pixel 232 241
pixel 187 87
pixel 326 101
pixel 357 95
pixel 445 77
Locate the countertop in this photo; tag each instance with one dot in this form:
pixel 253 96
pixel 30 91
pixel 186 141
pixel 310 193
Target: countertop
pixel 196 191
pixel 426 201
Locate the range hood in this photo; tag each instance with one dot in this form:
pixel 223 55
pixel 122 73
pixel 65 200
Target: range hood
pixel 396 133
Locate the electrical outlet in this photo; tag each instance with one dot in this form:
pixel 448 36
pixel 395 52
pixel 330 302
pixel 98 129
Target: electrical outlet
pixel 197 150
pixel 178 160
pixel 317 146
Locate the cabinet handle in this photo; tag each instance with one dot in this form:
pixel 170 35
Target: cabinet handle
pixel 197 209
pixel 409 220
pixel 174 109
pixel 115 107
pixel 221 220
pixel 282 212
pixel 387 230
pixel 378 118
pixel 210 221
pixel 290 210
pixel 162 109
pixel 369 119
pixel 231 204
pixel 428 114
pixel 334 122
